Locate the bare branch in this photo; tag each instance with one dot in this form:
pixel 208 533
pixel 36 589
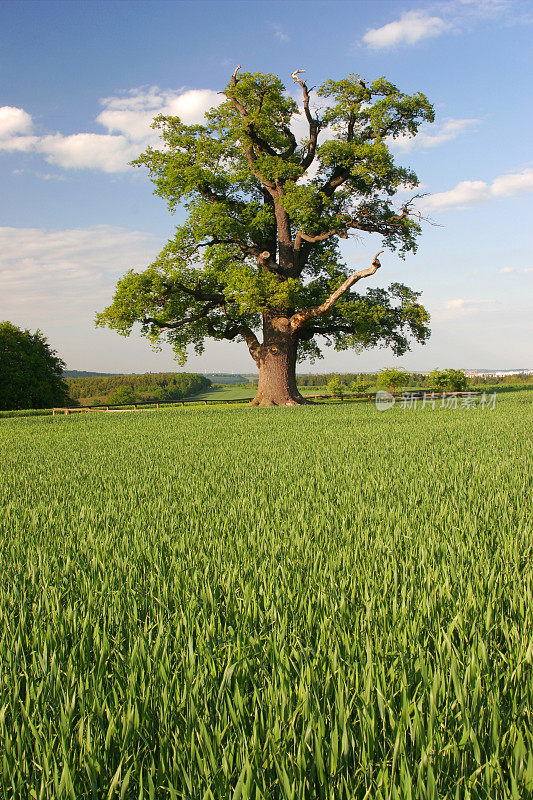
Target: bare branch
pixel 314 124
pixel 358 222
pixel 301 317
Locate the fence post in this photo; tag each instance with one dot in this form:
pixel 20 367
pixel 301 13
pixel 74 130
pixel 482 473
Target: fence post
pixel 157 405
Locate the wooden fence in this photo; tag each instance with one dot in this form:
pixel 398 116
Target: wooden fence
pixel 348 397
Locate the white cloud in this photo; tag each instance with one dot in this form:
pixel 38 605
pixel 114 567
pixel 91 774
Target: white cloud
pixel 513 183
pixel 89 151
pixel 127 119
pixel 487 8
pixel 15 127
pixel 36 262
pixel 412 27
pixel 132 114
pixel 21 144
pixel 61 278
pixel 433 137
pixel 192 105
pixel 279 33
pixel 461 307
pixel 14 121
pixel 465 193
pixel 470 192
pixel 515 270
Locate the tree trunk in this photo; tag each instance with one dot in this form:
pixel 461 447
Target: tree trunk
pixel 276 359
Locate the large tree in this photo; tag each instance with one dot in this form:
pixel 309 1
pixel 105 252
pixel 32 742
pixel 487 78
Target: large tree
pixel 31 374
pixel 259 251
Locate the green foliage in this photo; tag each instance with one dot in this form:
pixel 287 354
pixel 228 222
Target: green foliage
pixel 174 623
pixel 240 176
pixel 360 385
pixel 336 386
pixel 392 379
pixel 124 395
pixel 150 386
pixel 451 380
pixel 31 374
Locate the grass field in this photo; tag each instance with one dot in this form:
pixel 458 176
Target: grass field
pixel 247 393
pixel 321 602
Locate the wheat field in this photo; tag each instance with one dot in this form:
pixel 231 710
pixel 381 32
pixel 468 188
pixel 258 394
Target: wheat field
pixel 225 603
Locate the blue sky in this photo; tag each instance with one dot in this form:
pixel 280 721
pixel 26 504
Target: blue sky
pixel 79 82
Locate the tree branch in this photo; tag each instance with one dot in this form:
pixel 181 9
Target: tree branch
pixel 209 194
pixel 301 317
pixel 247 249
pixel 231 331
pixel 186 320
pixel 336 179
pixel 197 292
pixel 265 259
pixel 293 143
pixel 314 124
pixel 383 226
pixel 320 237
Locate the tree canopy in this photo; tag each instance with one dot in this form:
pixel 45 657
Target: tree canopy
pixel 452 380
pixel 31 374
pixel 266 211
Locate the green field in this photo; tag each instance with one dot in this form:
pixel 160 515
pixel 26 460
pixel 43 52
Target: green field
pixel 247 393
pixel 231 393
pixel 316 602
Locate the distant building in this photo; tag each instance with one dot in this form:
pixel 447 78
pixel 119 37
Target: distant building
pixel 501 373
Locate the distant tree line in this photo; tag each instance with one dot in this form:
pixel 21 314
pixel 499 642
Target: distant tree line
pixel 523 379
pixel 323 379
pixel 124 389
pixel 80 373
pixel 395 380
pixel 359 381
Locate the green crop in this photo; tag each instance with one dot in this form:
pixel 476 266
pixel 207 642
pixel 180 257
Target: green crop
pixel 231 603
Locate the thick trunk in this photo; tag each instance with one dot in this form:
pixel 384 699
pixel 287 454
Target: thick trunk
pixel 276 359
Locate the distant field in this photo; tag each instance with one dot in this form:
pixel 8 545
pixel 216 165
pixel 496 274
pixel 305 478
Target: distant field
pixel 229 602
pixel 232 393
pixel 242 393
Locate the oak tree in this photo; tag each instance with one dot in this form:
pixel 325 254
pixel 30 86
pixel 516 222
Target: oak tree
pixel 258 257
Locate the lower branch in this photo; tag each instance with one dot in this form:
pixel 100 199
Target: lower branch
pixel 232 331
pixel 300 318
